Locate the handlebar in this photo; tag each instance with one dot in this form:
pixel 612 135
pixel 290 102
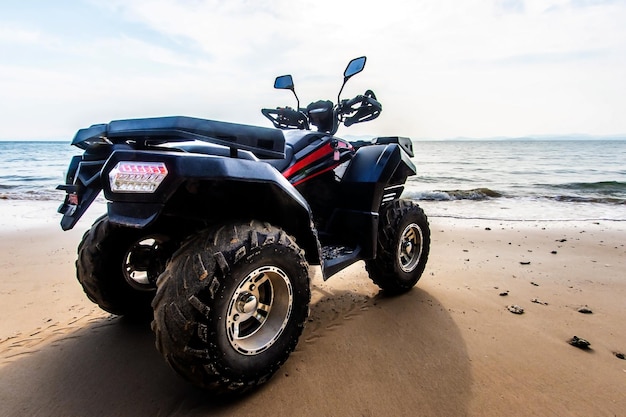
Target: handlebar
pixel 364 100
pixel 286 118
pixel 368 108
pixel 325 116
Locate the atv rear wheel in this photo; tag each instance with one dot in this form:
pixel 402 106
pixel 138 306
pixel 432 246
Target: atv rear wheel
pixel 403 247
pixel 231 306
pixel 118 266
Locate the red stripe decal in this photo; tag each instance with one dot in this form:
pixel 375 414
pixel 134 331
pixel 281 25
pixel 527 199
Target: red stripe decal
pixel 304 162
pixel 315 175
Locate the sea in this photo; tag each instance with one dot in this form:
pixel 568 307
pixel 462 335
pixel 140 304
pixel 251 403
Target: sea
pixel 509 180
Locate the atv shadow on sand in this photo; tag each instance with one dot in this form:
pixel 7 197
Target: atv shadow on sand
pixel 110 367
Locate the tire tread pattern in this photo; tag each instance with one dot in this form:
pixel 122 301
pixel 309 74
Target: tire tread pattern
pixel 183 304
pixel 384 270
pixel 98 270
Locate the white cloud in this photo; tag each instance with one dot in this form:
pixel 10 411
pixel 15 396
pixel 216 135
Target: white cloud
pixel 440 67
pixel 18 35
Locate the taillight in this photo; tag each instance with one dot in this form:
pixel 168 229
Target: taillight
pixel 137 177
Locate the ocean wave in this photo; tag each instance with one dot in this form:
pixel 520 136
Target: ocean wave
pixel 31 195
pixel 27 179
pixel 475 194
pixel 600 187
pixel 438 179
pixel 579 199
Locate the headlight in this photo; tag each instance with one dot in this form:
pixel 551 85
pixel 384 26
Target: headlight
pixel 137 177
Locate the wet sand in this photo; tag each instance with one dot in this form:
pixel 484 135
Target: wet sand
pixel 449 347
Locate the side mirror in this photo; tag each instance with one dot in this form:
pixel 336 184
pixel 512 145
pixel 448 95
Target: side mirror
pixel 284 82
pixel 354 67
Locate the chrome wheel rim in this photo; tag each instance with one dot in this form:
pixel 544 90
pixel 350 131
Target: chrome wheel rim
pixel 143 262
pixel 259 310
pixel 410 247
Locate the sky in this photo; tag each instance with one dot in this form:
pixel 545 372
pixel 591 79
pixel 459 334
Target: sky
pixel 441 68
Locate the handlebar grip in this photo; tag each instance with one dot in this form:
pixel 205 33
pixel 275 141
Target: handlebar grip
pixel 353 101
pixel 289 113
pixel 369 99
pixel 368 109
pixel 374 103
pixel 285 118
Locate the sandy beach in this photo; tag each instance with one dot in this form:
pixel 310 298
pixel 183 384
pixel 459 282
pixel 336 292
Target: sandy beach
pixel 449 347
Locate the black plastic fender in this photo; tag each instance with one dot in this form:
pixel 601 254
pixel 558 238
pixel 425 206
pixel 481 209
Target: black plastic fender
pixel 374 168
pixel 376 175
pixel 213 189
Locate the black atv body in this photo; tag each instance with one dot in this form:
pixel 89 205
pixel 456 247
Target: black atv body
pixel 211 226
pixel 260 174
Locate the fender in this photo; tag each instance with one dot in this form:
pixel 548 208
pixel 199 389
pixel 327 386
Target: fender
pixel 213 188
pixel 377 167
pixel 372 175
pixel 375 176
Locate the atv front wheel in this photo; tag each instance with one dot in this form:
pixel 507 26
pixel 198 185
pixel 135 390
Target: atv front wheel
pixel 118 266
pixel 403 247
pixel 231 306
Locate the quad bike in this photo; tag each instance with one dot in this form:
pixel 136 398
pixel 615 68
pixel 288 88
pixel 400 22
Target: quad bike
pixel 211 227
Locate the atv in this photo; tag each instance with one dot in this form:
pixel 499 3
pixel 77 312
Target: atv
pixel 211 227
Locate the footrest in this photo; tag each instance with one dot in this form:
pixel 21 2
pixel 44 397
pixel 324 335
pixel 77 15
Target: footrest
pixel 337 257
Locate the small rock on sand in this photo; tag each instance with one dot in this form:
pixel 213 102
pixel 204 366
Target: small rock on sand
pixel 515 309
pixel 585 310
pixel 579 342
